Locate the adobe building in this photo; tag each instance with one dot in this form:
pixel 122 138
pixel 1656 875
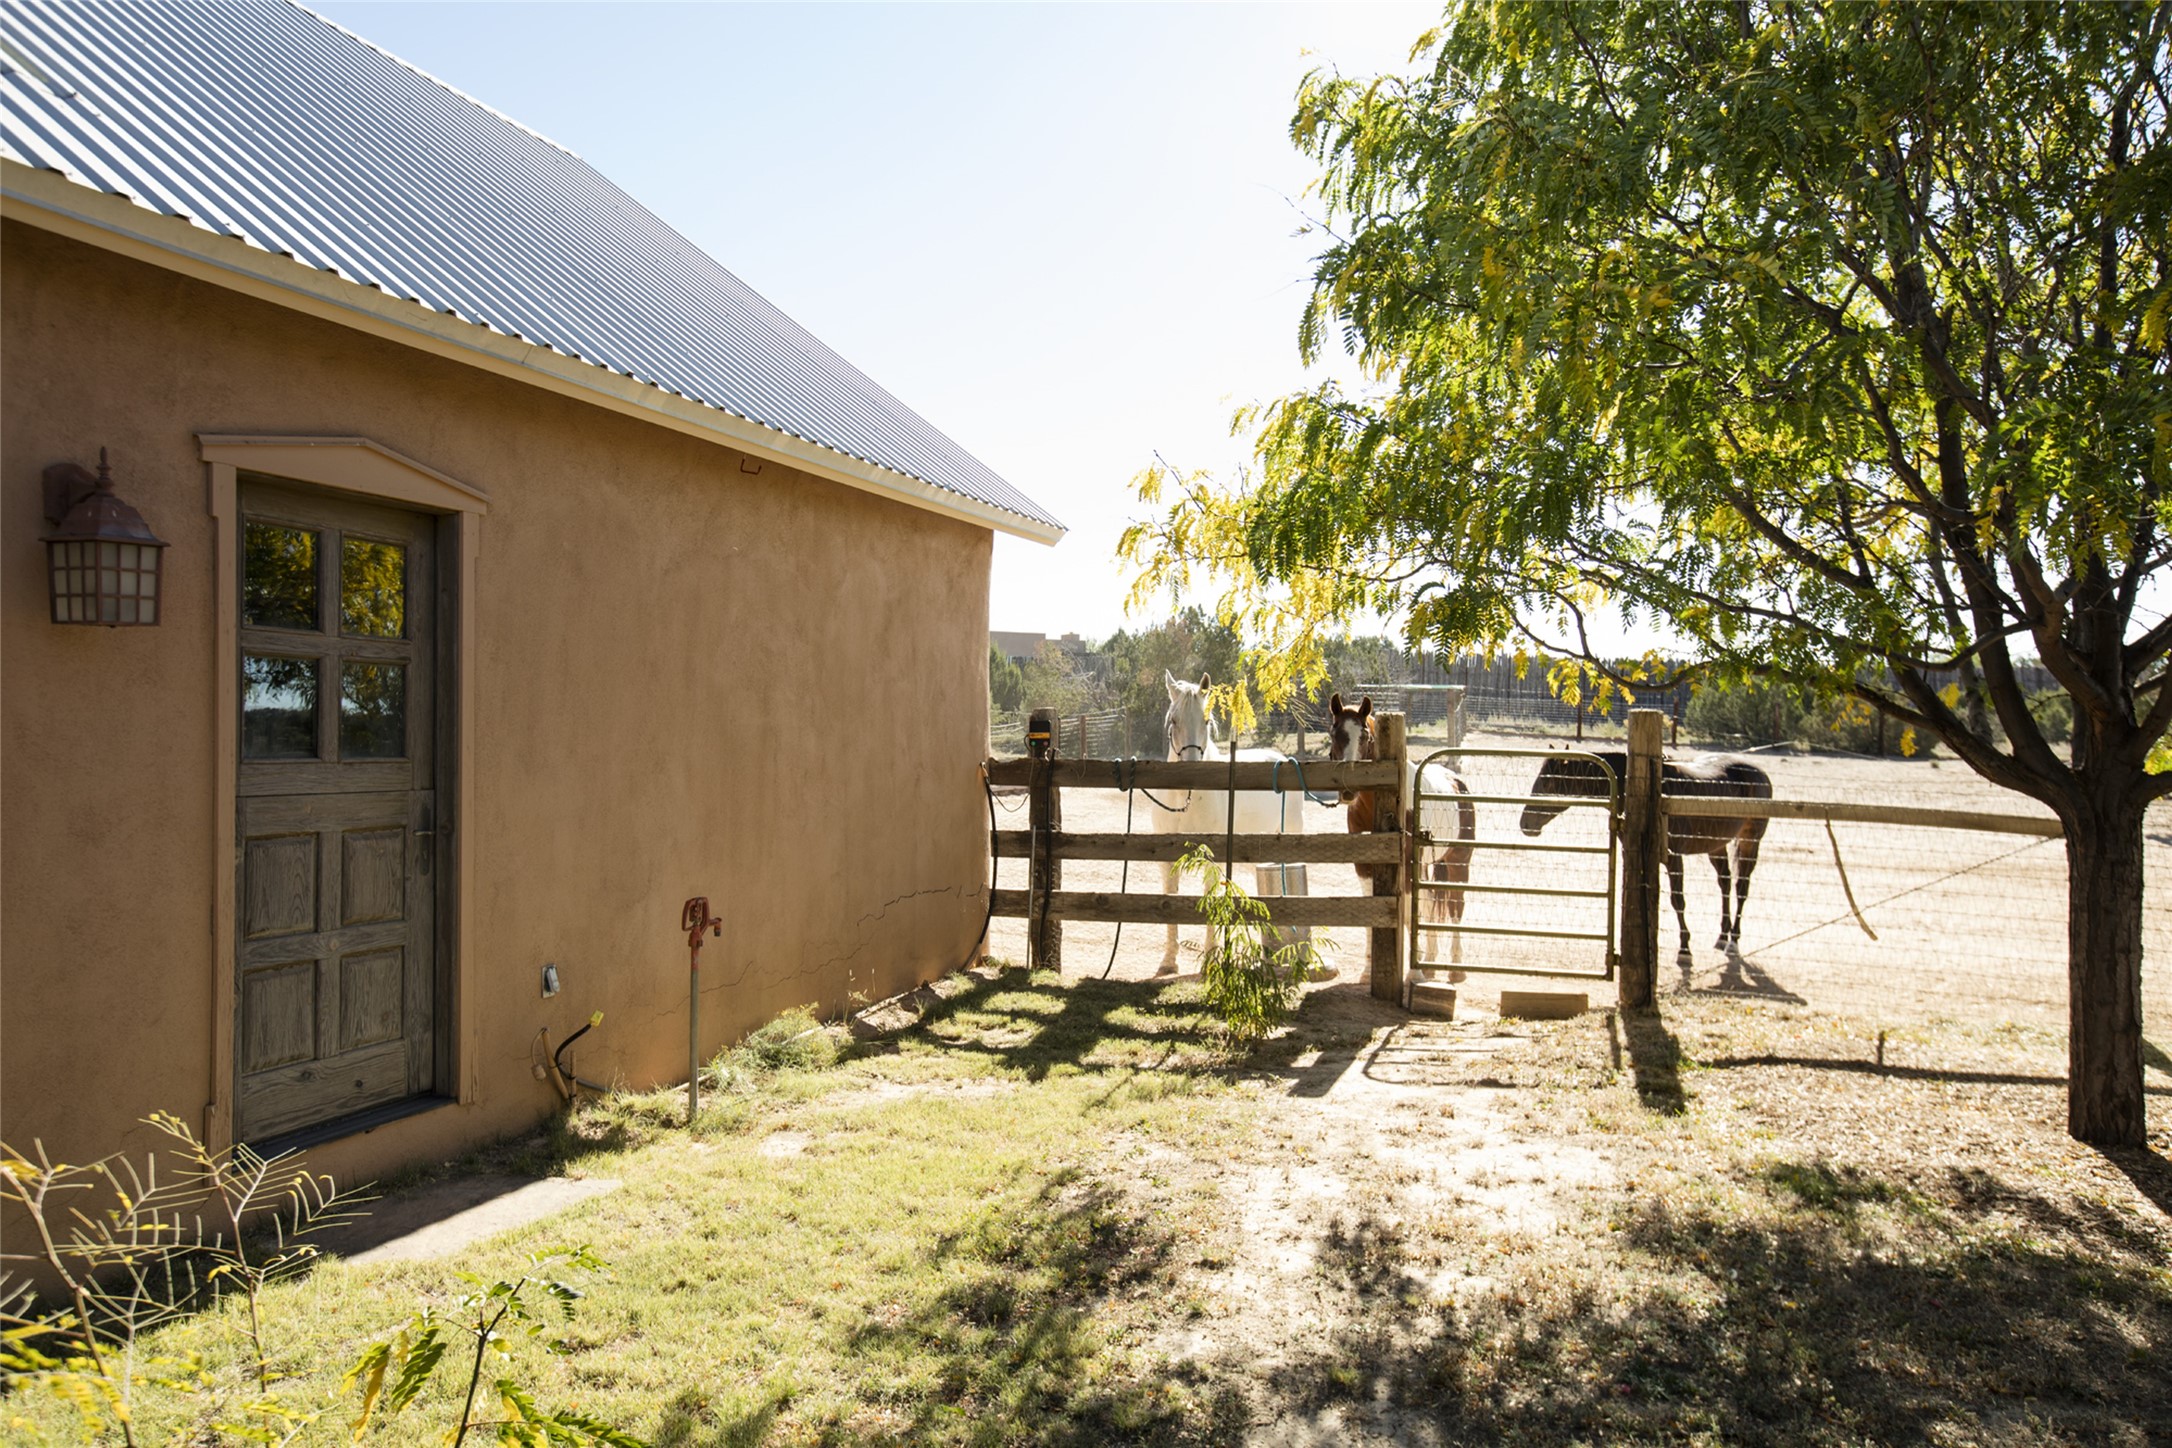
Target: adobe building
pixel 488 530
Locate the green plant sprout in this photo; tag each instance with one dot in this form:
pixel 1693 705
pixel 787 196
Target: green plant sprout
pixel 1250 982
pixel 159 1248
pixel 495 1315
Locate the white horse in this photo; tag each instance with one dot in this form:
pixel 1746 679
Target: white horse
pixel 1207 811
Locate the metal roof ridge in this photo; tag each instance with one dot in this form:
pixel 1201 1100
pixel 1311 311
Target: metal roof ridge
pixel 446 86
pixel 421 323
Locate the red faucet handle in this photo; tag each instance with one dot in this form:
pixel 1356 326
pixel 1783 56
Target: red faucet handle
pixel 695 920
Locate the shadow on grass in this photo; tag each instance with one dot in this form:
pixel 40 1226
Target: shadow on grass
pixel 1903 1073
pixel 1013 1348
pixel 1782 1326
pixel 1039 1024
pixel 1655 1059
pixel 2150 1173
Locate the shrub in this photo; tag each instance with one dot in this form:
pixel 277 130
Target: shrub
pixel 2054 715
pixel 234 1222
pixel 1743 714
pixel 1249 983
pixel 794 1041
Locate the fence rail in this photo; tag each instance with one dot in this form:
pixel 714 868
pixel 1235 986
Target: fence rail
pixel 1344 849
pixel 1046 905
pixel 1380 912
pixel 1212 776
pixel 1724 807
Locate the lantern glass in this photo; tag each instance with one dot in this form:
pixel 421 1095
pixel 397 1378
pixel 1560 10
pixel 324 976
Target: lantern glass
pixel 108 583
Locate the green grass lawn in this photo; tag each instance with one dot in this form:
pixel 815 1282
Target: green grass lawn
pixel 919 1240
pixel 1074 1212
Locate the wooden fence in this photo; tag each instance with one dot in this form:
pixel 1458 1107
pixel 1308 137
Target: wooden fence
pixel 1046 905
pixel 1388 911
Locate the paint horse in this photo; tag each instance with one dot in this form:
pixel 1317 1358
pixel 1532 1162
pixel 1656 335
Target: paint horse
pixel 1207 811
pixel 1351 738
pixel 1714 836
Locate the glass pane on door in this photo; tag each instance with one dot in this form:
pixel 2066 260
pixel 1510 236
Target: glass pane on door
pixel 278 708
pixel 278 576
pixel 372 588
pixel 372 711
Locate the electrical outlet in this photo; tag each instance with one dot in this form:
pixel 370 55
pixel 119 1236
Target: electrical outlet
pixel 550 980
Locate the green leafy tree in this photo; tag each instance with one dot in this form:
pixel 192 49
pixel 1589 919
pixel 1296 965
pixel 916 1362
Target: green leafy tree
pixel 1188 644
pixel 1831 334
pixel 1006 683
pixel 1050 680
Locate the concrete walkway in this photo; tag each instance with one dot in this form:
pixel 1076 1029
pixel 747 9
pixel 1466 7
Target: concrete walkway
pixel 443 1218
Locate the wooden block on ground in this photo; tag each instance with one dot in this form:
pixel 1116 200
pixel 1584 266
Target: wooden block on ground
pixel 1433 998
pixel 1544 1005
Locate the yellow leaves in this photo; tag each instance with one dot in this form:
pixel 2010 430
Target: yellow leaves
pixel 1950 696
pixel 2153 321
pixel 1490 264
pixel 1908 743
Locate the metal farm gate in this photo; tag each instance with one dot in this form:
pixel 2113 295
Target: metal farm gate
pixel 1516 884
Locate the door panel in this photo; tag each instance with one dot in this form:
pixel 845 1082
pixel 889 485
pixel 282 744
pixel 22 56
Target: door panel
pixel 373 876
pixel 280 1004
pixel 282 886
pixel 337 956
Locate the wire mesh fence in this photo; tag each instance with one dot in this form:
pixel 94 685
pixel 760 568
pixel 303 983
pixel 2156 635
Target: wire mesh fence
pixel 1943 923
pixel 1968 925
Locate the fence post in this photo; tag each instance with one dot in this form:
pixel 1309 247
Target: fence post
pixel 1643 850
pixel 1044 816
pixel 1388 953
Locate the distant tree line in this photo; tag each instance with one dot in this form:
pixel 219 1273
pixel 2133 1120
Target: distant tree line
pixel 1125 673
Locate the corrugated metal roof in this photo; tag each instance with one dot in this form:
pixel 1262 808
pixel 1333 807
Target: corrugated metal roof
pixel 259 120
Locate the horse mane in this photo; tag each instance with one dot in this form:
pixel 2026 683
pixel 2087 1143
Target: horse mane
pixel 1705 775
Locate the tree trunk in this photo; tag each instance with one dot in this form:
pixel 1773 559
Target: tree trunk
pixel 2104 1102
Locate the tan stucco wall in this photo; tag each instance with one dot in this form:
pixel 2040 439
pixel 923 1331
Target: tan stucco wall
pixel 688 678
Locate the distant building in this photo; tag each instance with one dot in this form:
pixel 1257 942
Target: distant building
pixel 1022 648
pixel 1017 647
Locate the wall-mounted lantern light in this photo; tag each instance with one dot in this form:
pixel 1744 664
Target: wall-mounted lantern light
pixel 102 558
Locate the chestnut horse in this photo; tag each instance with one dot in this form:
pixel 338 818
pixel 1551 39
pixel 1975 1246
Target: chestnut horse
pixel 1714 836
pixel 1351 737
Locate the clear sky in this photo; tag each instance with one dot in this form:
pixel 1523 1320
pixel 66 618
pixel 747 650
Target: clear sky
pixel 1064 234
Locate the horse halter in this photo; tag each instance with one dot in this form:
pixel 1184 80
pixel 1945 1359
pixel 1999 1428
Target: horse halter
pixel 1169 744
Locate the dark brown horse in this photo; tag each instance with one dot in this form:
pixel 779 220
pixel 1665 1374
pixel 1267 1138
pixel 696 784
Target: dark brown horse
pixel 1714 836
pixel 1351 737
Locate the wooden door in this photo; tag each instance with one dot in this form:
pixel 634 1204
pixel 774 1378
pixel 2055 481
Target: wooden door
pixel 337 817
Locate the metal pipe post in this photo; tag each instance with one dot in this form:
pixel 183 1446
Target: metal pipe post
pixel 1643 849
pixel 696 921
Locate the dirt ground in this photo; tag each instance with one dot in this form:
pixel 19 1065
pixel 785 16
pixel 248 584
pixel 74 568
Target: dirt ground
pixel 1968 925
pixel 1826 1196
pixel 1744 1221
